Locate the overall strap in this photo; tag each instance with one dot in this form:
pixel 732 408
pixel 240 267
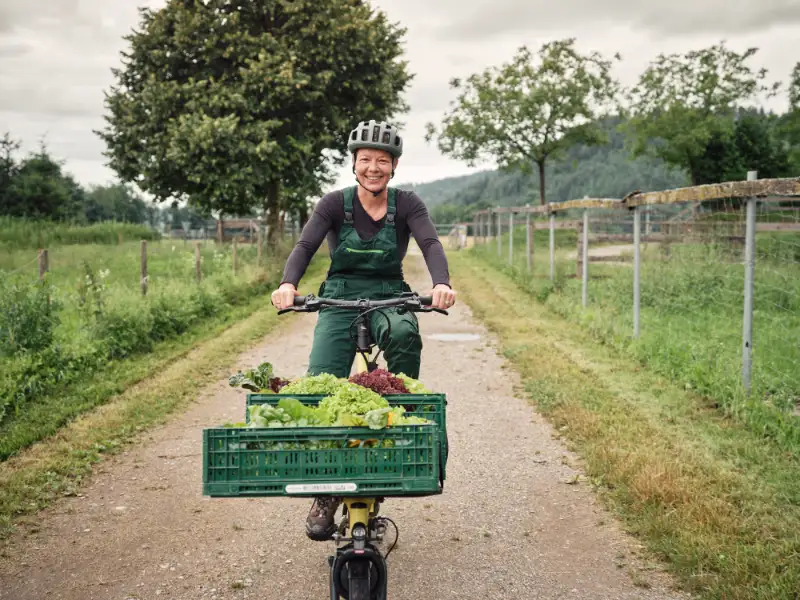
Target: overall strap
pixel 391 209
pixel 349 194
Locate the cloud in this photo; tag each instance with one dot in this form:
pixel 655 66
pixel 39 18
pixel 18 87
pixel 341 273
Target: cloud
pixel 675 18
pixel 56 58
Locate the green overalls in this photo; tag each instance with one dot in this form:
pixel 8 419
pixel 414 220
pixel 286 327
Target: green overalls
pixel 365 269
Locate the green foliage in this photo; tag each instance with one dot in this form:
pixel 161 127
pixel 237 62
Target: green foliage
pixel 683 101
pixel 28 316
pixel 37 188
pixel 28 233
pixel 114 203
pixel 97 316
pixel 522 113
pixel 226 103
pixel 691 321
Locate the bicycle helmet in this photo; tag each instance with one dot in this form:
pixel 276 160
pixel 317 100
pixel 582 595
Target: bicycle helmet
pixel 377 135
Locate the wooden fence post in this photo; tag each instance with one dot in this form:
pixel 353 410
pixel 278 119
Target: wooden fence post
pixel 258 258
pixel 143 274
pixel 234 256
pixel 44 263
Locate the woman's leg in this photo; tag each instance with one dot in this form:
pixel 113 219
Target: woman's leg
pixel 404 347
pixel 332 350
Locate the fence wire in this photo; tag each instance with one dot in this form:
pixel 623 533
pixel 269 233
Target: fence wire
pixel 690 319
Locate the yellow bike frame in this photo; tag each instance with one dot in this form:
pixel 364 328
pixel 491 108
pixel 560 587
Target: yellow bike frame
pixel 360 510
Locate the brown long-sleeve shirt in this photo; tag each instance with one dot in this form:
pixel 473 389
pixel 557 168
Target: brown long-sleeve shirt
pixel 411 219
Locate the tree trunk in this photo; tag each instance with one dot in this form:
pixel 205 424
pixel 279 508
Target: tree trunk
pixel 273 209
pixel 303 217
pixel 541 182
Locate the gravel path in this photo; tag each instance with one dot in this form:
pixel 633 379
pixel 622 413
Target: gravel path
pixel 511 523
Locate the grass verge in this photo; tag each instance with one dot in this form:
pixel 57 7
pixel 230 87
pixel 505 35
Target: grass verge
pixel 719 503
pixel 57 465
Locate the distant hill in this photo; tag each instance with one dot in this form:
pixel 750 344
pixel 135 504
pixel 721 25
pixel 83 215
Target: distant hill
pixel 602 171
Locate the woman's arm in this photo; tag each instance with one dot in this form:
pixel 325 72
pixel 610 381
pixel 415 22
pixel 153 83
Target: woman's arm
pixel 424 232
pixel 314 232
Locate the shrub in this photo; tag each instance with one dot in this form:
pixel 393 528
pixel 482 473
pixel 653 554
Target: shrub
pixel 28 316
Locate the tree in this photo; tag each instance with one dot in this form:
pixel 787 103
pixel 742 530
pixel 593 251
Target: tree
pixel 39 189
pixel 225 102
pixel 682 103
pixel 524 113
pixel 8 168
pixel 114 203
pixel 789 126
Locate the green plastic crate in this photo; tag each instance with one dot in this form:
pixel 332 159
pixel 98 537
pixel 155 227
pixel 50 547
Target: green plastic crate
pixel 432 407
pixel 273 462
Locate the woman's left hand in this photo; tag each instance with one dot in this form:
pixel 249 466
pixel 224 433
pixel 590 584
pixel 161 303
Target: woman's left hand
pixel 443 296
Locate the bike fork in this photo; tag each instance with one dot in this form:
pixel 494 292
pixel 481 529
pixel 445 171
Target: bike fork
pixel 358 571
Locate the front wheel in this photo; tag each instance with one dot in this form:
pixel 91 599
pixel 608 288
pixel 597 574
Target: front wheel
pixel 358 580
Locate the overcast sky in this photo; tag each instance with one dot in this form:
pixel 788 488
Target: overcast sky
pixel 56 56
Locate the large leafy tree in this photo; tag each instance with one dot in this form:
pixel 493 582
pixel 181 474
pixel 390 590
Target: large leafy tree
pixel 684 104
pixel 226 102
pixel 529 110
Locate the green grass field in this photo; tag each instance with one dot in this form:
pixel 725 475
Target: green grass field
pixel 707 493
pixel 691 317
pixel 89 313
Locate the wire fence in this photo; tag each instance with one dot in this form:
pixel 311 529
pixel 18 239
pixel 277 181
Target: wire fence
pixel 701 282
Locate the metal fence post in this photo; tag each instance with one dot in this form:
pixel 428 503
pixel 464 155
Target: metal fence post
pixel 511 238
pixel 552 247
pixel 528 240
pixel 749 276
pixel 637 238
pixel 585 274
pixel 499 233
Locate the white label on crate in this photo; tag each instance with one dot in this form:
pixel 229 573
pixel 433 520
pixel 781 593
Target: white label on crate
pixel 313 488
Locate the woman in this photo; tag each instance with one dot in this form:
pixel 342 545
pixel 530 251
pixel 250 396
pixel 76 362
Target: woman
pixel 368 227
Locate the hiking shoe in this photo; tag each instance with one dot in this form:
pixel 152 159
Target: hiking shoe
pixel 319 523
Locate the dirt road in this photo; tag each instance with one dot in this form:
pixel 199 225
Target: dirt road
pixel 511 523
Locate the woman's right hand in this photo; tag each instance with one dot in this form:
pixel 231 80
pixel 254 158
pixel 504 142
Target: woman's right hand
pixel 283 297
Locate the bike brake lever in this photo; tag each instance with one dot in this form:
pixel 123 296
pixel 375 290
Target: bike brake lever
pixel 294 309
pixel 430 309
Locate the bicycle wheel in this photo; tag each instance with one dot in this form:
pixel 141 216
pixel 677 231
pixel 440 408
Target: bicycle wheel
pixel 358 584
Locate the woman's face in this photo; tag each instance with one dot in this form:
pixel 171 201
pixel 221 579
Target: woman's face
pixel 374 168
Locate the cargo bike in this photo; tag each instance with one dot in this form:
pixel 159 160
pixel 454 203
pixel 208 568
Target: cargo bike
pixel 363 466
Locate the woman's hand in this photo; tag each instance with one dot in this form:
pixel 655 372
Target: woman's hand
pixel 443 296
pixel 283 297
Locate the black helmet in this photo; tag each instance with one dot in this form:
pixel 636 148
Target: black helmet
pixel 377 135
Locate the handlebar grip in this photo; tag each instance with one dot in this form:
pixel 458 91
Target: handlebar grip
pixel 426 300
pixel 300 300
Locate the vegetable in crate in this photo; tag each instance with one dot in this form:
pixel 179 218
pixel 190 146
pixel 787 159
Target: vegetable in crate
pixel 353 400
pixel 380 381
pixel 260 380
pixel 414 386
pixel 324 383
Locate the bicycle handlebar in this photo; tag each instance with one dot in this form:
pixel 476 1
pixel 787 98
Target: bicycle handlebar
pixel 408 301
